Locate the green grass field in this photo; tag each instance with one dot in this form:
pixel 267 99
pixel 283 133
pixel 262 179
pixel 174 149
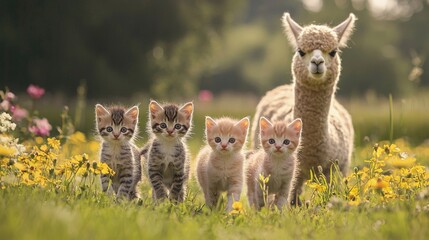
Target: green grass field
pixel 57 205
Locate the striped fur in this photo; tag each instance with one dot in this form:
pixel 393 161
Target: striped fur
pixel 117 127
pixel 168 161
pixel 220 163
pixel 275 159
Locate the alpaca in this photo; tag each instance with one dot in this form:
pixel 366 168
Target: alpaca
pixel 328 133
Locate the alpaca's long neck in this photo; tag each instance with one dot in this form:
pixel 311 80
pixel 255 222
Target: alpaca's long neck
pixel 313 107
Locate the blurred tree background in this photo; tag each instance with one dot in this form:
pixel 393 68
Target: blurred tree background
pixel 174 48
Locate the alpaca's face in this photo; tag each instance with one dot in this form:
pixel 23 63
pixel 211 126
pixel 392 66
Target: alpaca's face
pixel 316 61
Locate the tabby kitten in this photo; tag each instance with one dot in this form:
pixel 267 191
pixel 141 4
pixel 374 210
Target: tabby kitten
pixel 220 163
pixel 167 154
pixel 118 127
pixel 276 159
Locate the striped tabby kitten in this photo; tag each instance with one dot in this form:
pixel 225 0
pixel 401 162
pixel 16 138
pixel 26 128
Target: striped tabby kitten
pixel 276 159
pixel 117 127
pixel 167 153
pixel 220 163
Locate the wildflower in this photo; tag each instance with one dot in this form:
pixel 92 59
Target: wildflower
pixel 35 92
pixel 41 127
pixel 54 143
pixel 5 105
pixel 5 123
pixel 237 208
pixel 205 96
pixel 6 151
pixel 9 96
pixel 18 113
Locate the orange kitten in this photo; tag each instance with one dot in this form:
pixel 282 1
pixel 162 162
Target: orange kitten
pixel 220 163
pixel 276 159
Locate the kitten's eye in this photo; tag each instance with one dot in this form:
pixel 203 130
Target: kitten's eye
pixel 124 130
pixel 286 142
pixel 163 125
pixel 332 53
pixel 301 53
pixel 109 129
pixel 231 140
pixel 217 140
pixel 177 126
pixel 271 141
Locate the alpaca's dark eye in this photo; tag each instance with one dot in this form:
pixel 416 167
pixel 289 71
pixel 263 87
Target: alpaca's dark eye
pixel 177 126
pixel 163 125
pixel 124 129
pixel 109 129
pixel 286 142
pixel 332 53
pixel 301 53
pixel 218 140
pixel 231 140
pixel 271 141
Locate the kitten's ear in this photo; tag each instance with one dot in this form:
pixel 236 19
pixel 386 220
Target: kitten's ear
pixel 296 126
pixel 187 109
pixel 264 124
pixel 210 123
pixel 243 124
pixel 292 29
pixel 154 108
pixel 133 113
pixel 100 111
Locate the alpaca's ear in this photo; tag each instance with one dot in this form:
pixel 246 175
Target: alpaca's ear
pixel 264 124
pixel 154 108
pixel 210 123
pixel 187 109
pixel 243 124
pixel 345 29
pixel 133 113
pixel 291 28
pixel 296 126
pixel 100 111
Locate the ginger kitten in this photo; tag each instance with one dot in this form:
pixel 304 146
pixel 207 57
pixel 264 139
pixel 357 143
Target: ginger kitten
pixel 220 163
pixel 276 159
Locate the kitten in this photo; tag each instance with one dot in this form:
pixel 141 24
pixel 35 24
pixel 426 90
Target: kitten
pixel 276 159
pixel 118 127
pixel 167 154
pixel 220 163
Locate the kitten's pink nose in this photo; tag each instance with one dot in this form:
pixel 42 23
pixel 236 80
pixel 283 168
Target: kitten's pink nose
pixel 278 147
pixel 116 136
pixel 169 131
pixel 223 146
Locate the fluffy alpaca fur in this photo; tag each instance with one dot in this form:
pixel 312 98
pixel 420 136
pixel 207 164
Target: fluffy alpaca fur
pixel 328 133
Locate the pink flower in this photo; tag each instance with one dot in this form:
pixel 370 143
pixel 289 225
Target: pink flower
pixel 9 96
pixel 205 96
pixel 41 127
pixel 5 105
pixel 18 113
pixel 35 92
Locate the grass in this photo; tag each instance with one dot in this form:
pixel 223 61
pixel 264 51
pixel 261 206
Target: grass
pixel 46 213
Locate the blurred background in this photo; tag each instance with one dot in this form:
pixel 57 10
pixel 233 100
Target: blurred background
pixel 223 54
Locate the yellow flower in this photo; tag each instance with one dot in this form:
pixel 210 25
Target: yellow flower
pixel 44 148
pixel 6 151
pixel 39 140
pixel 54 143
pixel 237 208
pixel 77 138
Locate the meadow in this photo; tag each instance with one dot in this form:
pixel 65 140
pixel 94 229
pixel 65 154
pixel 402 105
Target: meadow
pixel 49 184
